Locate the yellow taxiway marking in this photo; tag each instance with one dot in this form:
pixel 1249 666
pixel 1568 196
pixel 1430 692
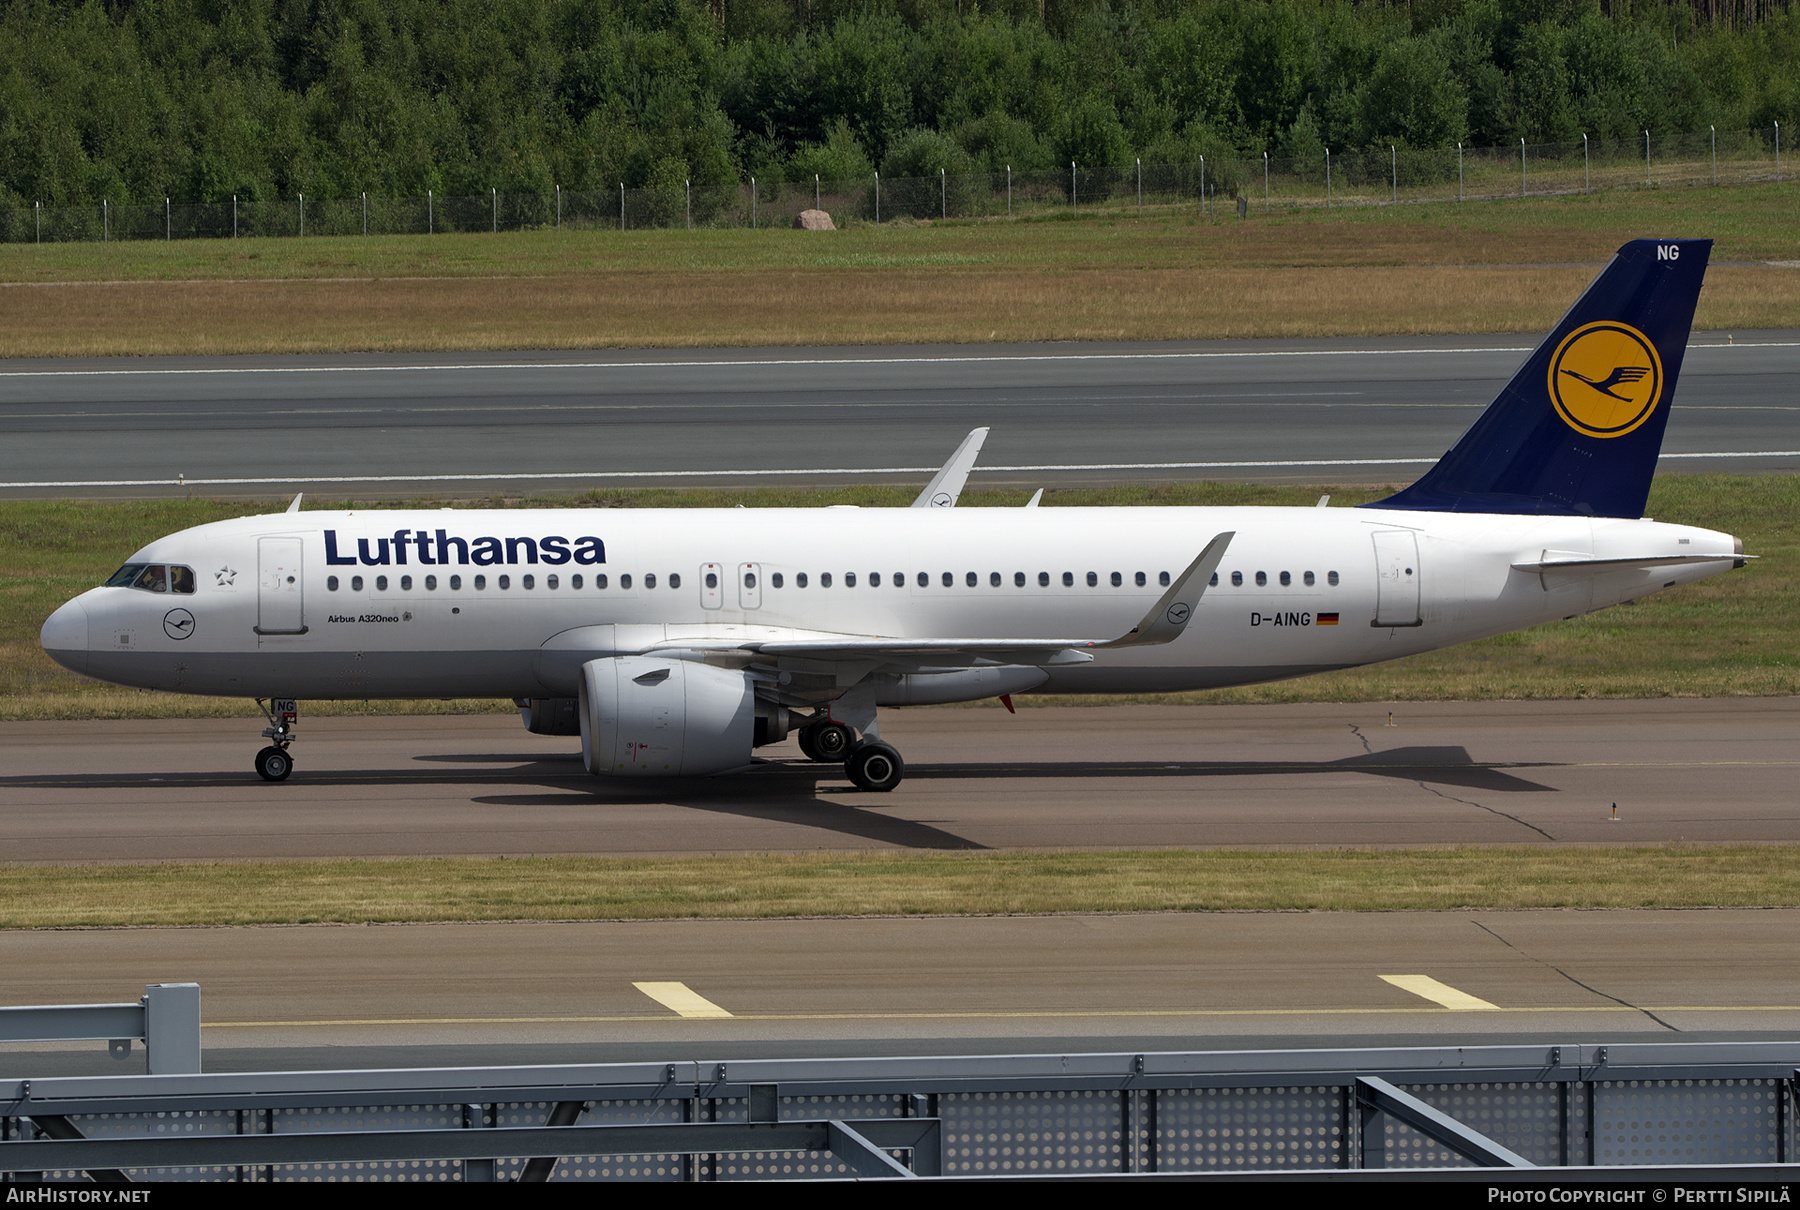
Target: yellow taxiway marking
pixel 1017 1015
pixel 1439 993
pixel 683 999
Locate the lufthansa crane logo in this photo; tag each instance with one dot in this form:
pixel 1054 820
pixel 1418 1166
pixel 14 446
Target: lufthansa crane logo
pixel 1605 379
pixel 178 623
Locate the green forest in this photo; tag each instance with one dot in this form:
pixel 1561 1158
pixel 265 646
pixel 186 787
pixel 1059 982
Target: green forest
pixel 199 100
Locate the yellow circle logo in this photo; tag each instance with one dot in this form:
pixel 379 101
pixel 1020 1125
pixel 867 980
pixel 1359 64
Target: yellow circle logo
pixel 1605 379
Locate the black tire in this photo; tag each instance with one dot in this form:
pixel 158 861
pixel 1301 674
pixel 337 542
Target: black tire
pixel 831 741
pixel 875 766
pixel 274 764
pixel 804 736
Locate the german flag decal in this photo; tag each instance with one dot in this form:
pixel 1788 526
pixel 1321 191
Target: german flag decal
pixel 1327 619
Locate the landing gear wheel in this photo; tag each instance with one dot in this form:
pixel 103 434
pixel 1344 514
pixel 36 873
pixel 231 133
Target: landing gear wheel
pixel 274 764
pixel 825 742
pixel 875 766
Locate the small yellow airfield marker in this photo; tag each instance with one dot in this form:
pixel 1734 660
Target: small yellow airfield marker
pixel 690 1003
pixel 1431 989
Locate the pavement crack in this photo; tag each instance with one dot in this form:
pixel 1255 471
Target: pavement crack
pixel 1357 732
pixel 1636 1008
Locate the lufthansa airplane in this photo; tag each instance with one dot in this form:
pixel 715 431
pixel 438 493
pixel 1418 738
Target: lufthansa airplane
pixel 675 642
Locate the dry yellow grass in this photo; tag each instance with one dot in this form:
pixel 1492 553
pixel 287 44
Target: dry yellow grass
pixel 823 306
pixel 571 888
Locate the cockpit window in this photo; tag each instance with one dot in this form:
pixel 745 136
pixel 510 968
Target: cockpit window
pixel 153 577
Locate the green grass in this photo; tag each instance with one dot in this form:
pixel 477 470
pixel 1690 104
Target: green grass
pixel 1750 223
pixel 569 888
pixel 1731 635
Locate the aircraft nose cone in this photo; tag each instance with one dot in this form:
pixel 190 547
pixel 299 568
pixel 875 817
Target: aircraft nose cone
pixel 65 636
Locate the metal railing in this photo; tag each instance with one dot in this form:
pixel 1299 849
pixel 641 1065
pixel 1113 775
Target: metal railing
pixel 166 1020
pixel 1515 1112
pixel 1320 178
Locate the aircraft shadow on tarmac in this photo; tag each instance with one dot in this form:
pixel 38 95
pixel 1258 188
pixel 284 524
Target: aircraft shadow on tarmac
pixel 789 791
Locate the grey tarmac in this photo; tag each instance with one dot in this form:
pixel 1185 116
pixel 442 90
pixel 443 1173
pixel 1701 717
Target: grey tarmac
pixel 319 996
pixel 1103 777
pixel 388 426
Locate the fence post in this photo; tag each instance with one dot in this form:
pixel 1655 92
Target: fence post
pixel 1586 182
pixel 1327 176
pixel 234 216
pixel 1646 157
pixel 430 215
pixel 878 200
pixel 1008 190
pixel 815 191
pixel 1140 168
pixel 105 221
pixel 495 190
pixel 1074 206
pixel 1714 131
pixel 752 203
pixel 688 185
pixel 1202 184
pixel 168 223
pixel 621 205
pixel 1394 175
pixel 302 214
pixel 1778 153
pixel 1459 173
pixel 943 195
pixel 1265 182
pixel 38 209
pixel 1521 167
pixel 365 213
pixel 558 207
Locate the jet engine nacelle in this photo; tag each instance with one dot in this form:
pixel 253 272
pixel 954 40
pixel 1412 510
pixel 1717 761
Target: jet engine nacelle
pixel 648 717
pixel 548 715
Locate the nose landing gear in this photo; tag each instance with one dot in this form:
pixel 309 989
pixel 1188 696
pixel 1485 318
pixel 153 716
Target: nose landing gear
pixel 274 763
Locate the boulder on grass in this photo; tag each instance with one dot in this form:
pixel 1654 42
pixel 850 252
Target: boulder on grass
pixel 814 220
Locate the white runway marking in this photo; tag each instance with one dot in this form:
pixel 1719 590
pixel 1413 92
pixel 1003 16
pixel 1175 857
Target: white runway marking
pixel 1440 993
pixel 683 999
pixel 836 470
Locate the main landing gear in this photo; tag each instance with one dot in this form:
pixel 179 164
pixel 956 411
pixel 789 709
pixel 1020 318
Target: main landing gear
pixel 274 763
pixel 869 763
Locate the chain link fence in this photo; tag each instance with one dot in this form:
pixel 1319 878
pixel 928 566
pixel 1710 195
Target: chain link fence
pixel 1207 189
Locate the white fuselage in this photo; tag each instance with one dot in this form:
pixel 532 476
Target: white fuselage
pixel 274 618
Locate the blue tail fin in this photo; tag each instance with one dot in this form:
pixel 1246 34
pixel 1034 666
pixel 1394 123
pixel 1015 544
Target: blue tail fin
pixel 1578 429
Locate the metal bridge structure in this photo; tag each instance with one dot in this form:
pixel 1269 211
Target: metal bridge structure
pixel 1628 1112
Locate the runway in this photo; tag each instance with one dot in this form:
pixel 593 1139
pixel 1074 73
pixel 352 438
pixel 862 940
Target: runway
pixel 331 996
pixel 393 425
pixel 1703 771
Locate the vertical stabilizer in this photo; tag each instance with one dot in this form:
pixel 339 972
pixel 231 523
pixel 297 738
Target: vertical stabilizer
pixel 1578 430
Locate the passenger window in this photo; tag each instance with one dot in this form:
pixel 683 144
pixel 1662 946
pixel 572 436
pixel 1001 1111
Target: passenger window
pixel 1308 578
pixel 924 579
pixel 899 579
pixel 1237 579
pixel 1140 578
pixel 528 581
pixel 1068 579
pixel 874 579
pixel 649 579
pixel 1331 578
pixel 1214 582
pixel 356 583
pixel 405 583
pixel 849 579
pixel 575 582
pixel 430 583
pixel 1286 579
pixel 1093 579
pixel 625 582
pixel 1163 578
pixel 331 583
pixel 971 579
pixel 712 579
pixel 1262 579
pixel 1018 579
pixel 551 581
pixel 776 579
pixel 480 583
pixel 674 580
pixel 949 579
pixel 181 579
pixel 824 579
pixel 381 583
pixel 799 579
pixel 993 579
pixel 600 582
pixel 455 583
pixel 505 582
pixel 1043 579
